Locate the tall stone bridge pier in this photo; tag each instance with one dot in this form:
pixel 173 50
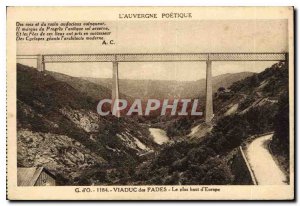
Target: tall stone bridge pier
pixel 115 59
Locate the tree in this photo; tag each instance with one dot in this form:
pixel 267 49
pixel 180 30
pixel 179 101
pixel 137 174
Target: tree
pixel 281 123
pixel 221 89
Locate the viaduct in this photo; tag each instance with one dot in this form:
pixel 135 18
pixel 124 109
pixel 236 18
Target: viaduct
pixel 115 59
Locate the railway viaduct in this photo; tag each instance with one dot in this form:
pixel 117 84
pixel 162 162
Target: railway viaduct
pixel 116 59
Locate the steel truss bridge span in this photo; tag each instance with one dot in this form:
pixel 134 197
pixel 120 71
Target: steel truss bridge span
pixel 43 59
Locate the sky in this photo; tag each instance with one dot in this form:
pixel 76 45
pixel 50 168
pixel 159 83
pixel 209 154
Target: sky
pixel 170 37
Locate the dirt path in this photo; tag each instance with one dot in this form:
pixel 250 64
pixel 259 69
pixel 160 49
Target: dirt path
pixel 265 169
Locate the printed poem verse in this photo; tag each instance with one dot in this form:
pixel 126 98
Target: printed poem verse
pixel 63 31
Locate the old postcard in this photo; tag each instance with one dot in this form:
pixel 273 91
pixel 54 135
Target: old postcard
pixel 150 103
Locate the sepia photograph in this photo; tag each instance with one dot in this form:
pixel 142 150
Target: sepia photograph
pixel 151 103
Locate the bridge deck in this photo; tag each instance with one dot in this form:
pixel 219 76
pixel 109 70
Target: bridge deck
pixel 159 57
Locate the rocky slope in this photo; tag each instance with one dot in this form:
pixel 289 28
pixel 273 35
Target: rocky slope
pixel 254 91
pixel 246 109
pixel 58 128
pixel 55 152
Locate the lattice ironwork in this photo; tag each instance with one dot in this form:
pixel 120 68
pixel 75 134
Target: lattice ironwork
pixel 248 57
pixel 160 57
pixel 167 57
pixel 79 58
